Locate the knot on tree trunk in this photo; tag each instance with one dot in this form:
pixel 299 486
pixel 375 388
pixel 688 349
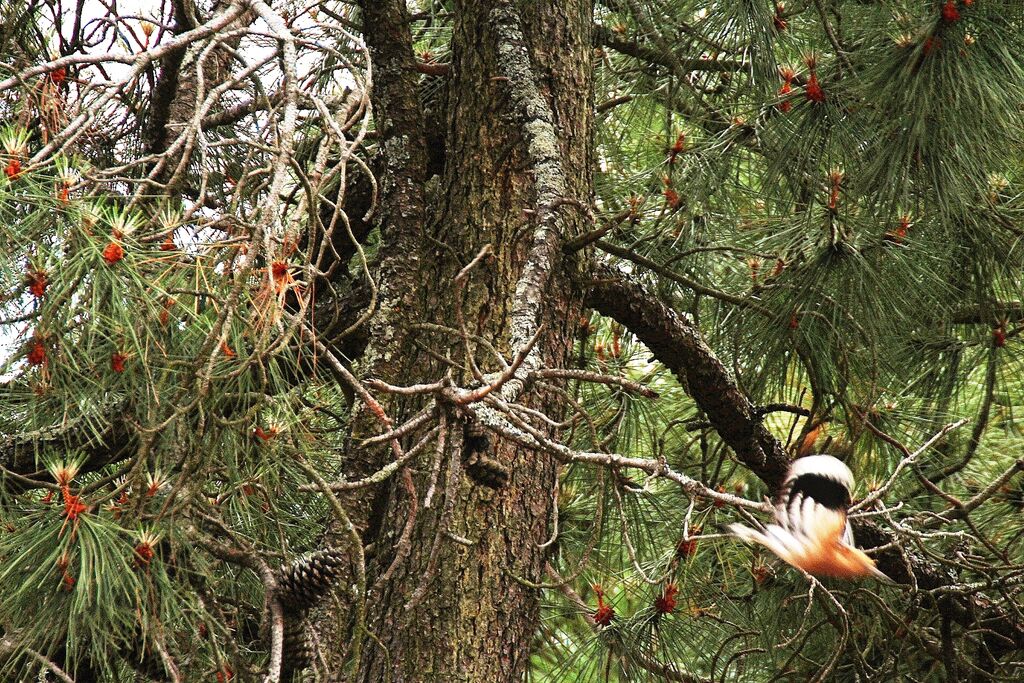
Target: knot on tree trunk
pixel 480 466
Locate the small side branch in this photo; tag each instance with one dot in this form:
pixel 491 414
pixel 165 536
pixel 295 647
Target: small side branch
pixel 907 460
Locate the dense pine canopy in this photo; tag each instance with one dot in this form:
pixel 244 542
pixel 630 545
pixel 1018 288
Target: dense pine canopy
pixel 433 341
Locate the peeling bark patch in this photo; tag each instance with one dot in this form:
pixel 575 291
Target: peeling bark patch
pixel 532 111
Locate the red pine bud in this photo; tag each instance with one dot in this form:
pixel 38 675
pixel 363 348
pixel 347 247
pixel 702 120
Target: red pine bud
pixel 113 253
pixel 666 602
pixel 949 12
pixel 813 89
pixel 37 354
pixel 117 362
pixel 37 283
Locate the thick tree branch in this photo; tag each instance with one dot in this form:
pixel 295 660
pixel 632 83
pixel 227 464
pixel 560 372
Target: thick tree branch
pixel 679 346
pixel 166 89
pixel 645 53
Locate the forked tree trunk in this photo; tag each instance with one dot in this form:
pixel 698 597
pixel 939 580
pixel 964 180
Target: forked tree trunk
pixel 519 134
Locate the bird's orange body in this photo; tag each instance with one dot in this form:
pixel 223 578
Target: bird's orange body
pixel 831 557
pixel 840 562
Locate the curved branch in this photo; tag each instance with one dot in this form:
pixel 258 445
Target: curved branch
pixel 679 346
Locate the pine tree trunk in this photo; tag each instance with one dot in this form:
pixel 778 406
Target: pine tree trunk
pixel 452 609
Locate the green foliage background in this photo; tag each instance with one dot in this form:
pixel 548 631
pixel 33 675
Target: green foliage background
pixel 813 299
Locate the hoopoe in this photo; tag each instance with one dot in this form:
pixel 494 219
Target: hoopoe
pixel 811 531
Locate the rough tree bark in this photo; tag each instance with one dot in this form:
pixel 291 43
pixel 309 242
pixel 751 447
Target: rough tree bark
pixel 446 603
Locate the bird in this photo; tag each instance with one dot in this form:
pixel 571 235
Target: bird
pixel 810 530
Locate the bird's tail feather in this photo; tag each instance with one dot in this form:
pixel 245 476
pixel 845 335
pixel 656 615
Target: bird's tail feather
pixel 774 537
pixel 745 533
pixel 876 573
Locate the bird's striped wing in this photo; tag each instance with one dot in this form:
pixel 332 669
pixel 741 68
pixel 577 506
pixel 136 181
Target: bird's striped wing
pixel 813 505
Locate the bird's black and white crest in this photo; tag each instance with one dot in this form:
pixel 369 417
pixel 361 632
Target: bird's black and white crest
pixel 816 486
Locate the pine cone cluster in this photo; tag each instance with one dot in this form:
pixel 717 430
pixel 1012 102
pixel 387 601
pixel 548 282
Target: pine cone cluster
pixel 304 581
pixel 301 584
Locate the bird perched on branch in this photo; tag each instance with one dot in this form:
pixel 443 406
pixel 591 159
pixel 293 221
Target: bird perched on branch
pixel 811 531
